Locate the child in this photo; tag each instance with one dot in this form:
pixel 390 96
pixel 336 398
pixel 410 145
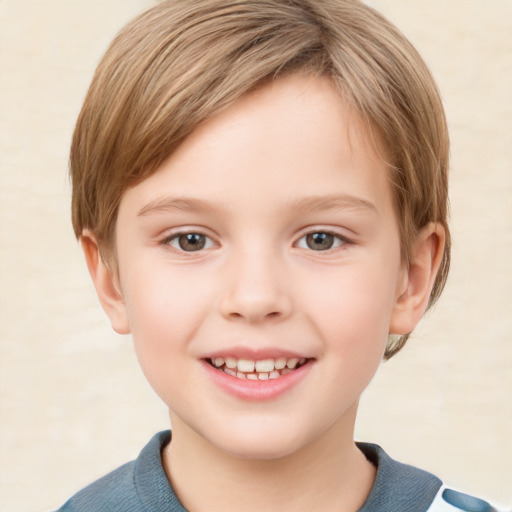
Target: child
pixel 260 190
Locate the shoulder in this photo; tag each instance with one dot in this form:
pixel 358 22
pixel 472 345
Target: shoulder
pixel 450 500
pixel 114 492
pixel 400 486
pixel 138 486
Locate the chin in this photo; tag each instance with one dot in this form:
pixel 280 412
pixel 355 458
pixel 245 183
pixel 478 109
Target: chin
pixel 260 452
pixel 260 444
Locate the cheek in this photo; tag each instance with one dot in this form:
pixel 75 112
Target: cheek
pixel 353 309
pixel 163 302
pixel 164 310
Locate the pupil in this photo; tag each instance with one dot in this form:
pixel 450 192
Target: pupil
pixel 320 241
pixel 192 241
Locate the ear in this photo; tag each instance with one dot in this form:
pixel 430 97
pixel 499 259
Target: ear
pixel 105 282
pixel 418 279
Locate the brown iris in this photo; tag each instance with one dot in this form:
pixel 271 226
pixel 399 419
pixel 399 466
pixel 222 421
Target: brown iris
pixel 191 241
pixel 320 241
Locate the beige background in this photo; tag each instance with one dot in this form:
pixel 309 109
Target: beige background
pixel 74 403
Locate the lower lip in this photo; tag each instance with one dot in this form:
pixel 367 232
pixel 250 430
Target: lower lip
pixel 257 390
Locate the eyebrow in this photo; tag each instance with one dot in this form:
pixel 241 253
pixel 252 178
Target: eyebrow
pixel 165 204
pixel 312 203
pixel 333 202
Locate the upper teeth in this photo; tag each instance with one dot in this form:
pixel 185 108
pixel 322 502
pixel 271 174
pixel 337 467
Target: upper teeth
pixel 260 366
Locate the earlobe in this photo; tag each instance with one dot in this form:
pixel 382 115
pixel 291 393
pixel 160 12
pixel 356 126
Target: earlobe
pixel 418 279
pixel 105 283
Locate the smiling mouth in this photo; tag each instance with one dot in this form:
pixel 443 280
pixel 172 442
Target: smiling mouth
pixel 263 369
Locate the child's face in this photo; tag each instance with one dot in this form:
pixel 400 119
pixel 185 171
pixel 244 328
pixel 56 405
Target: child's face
pixel 292 252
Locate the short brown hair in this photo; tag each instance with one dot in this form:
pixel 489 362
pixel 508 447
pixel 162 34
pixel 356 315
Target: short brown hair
pixel 183 61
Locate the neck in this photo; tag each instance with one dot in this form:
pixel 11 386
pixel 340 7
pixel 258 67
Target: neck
pixel 328 474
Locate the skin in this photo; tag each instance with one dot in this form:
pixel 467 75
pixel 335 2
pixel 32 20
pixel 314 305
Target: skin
pixel 284 162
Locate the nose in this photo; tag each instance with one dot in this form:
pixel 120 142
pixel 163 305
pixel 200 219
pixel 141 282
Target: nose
pixel 255 289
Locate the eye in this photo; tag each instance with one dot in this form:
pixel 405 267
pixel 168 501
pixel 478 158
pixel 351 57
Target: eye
pixel 321 241
pixel 189 242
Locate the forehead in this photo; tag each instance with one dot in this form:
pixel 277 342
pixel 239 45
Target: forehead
pixel 295 137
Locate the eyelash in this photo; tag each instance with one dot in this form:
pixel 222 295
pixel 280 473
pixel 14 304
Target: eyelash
pixel 167 241
pixel 338 241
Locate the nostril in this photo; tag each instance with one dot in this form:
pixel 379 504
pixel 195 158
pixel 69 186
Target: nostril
pixel 253 308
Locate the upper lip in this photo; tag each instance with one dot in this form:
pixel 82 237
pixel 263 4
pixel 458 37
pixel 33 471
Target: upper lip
pixel 253 354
